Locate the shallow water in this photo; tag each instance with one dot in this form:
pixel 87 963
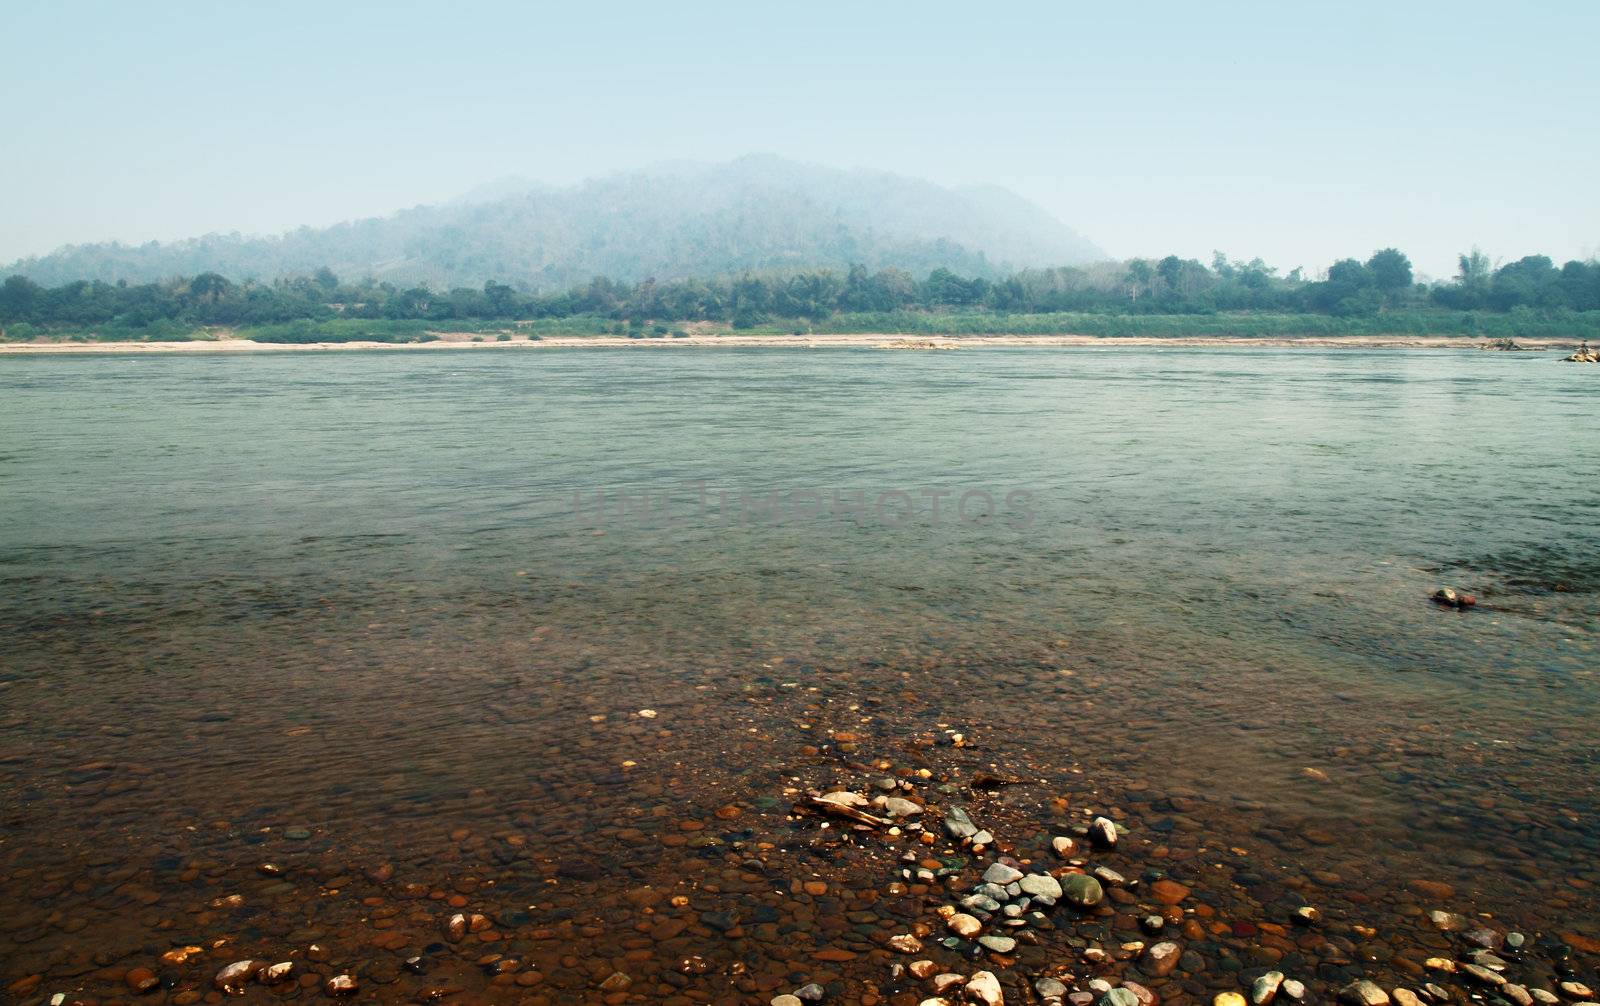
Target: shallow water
pixel 354 594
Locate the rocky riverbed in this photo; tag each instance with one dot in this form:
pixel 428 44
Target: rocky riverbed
pixel 861 863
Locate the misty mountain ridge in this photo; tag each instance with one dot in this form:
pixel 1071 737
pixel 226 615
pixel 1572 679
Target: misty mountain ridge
pixel 755 214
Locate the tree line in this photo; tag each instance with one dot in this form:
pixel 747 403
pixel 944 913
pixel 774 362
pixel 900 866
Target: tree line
pixel 1351 288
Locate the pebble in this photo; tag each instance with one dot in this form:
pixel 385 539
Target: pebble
pixel 947 981
pixel 1482 975
pixel 896 806
pixel 1081 890
pixel 1307 916
pixel 1152 924
pixel 1168 892
pixel 983 987
pixel 1103 832
pixel 340 985
pixel 1544 996
pixel 964 925
pixel 785 1000
pixel 1063 846
pixel 958 824
pixel 1109 877
pixel 1161 959
pixel 1363 993
pixel 1264 989
pixel 1405 997
pixel 1293 989
pixel 999 944
pixel 1119 997
pixel 905 943
pixel 274 973
pixel 1000 873
pixel 1518 994
pixel 1040 884
pixel 141 980
pixel 1049 988
pixel 811 993
pixel 1576 990
pixel 1228 999
pixel 231 979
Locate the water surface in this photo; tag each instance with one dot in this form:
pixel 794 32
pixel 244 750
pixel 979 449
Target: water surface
pixel 352 594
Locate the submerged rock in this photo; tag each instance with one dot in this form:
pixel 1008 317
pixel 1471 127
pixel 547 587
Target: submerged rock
pixel 1040 884
pixel 983 987
pixel 1264 989
pixel 231 979
pixel 1000 873
pixel 340 985
pixel 1363 993
pixel 1161 959
pixel 1103 832
pixel 1081 890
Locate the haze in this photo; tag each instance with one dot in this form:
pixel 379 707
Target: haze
pixel 1298 134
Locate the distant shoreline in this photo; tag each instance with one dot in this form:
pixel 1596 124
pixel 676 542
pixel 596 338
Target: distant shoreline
pixel 869 340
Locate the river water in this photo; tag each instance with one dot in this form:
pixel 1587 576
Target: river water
pixel 385 623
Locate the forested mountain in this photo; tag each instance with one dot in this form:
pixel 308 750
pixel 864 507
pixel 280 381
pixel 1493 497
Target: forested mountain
pixel 758 213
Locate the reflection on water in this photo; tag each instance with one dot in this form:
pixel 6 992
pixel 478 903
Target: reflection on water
pixel 346 598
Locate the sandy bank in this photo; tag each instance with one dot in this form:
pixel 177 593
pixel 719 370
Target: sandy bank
pixel 460 340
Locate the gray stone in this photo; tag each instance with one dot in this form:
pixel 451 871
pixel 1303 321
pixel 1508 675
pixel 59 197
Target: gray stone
pixel 1109 877
pixel 1119 997
pixel 958 824
pixel 812 993
pixel 1049 988
pixel 1000 873
pixel 999 944
pixel 1363 993
pixel 1041 884
pixel 980 902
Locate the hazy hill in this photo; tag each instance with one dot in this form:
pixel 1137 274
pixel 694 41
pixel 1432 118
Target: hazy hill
pixel 755 213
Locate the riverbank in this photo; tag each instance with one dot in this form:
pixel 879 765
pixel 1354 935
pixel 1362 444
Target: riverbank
pixel 875 340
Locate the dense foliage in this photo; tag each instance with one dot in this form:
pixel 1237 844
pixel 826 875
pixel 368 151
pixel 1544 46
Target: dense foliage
pixel 1382 286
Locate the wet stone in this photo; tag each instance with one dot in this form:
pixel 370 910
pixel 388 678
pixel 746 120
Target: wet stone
pixel 999 873
pixel 1081 890
pixel 141 980
pixel 1040 885
pixel 1119 997
pixel 1363 993
pixel 1265 988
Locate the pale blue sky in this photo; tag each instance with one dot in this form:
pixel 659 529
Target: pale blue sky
pixel 1297 132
